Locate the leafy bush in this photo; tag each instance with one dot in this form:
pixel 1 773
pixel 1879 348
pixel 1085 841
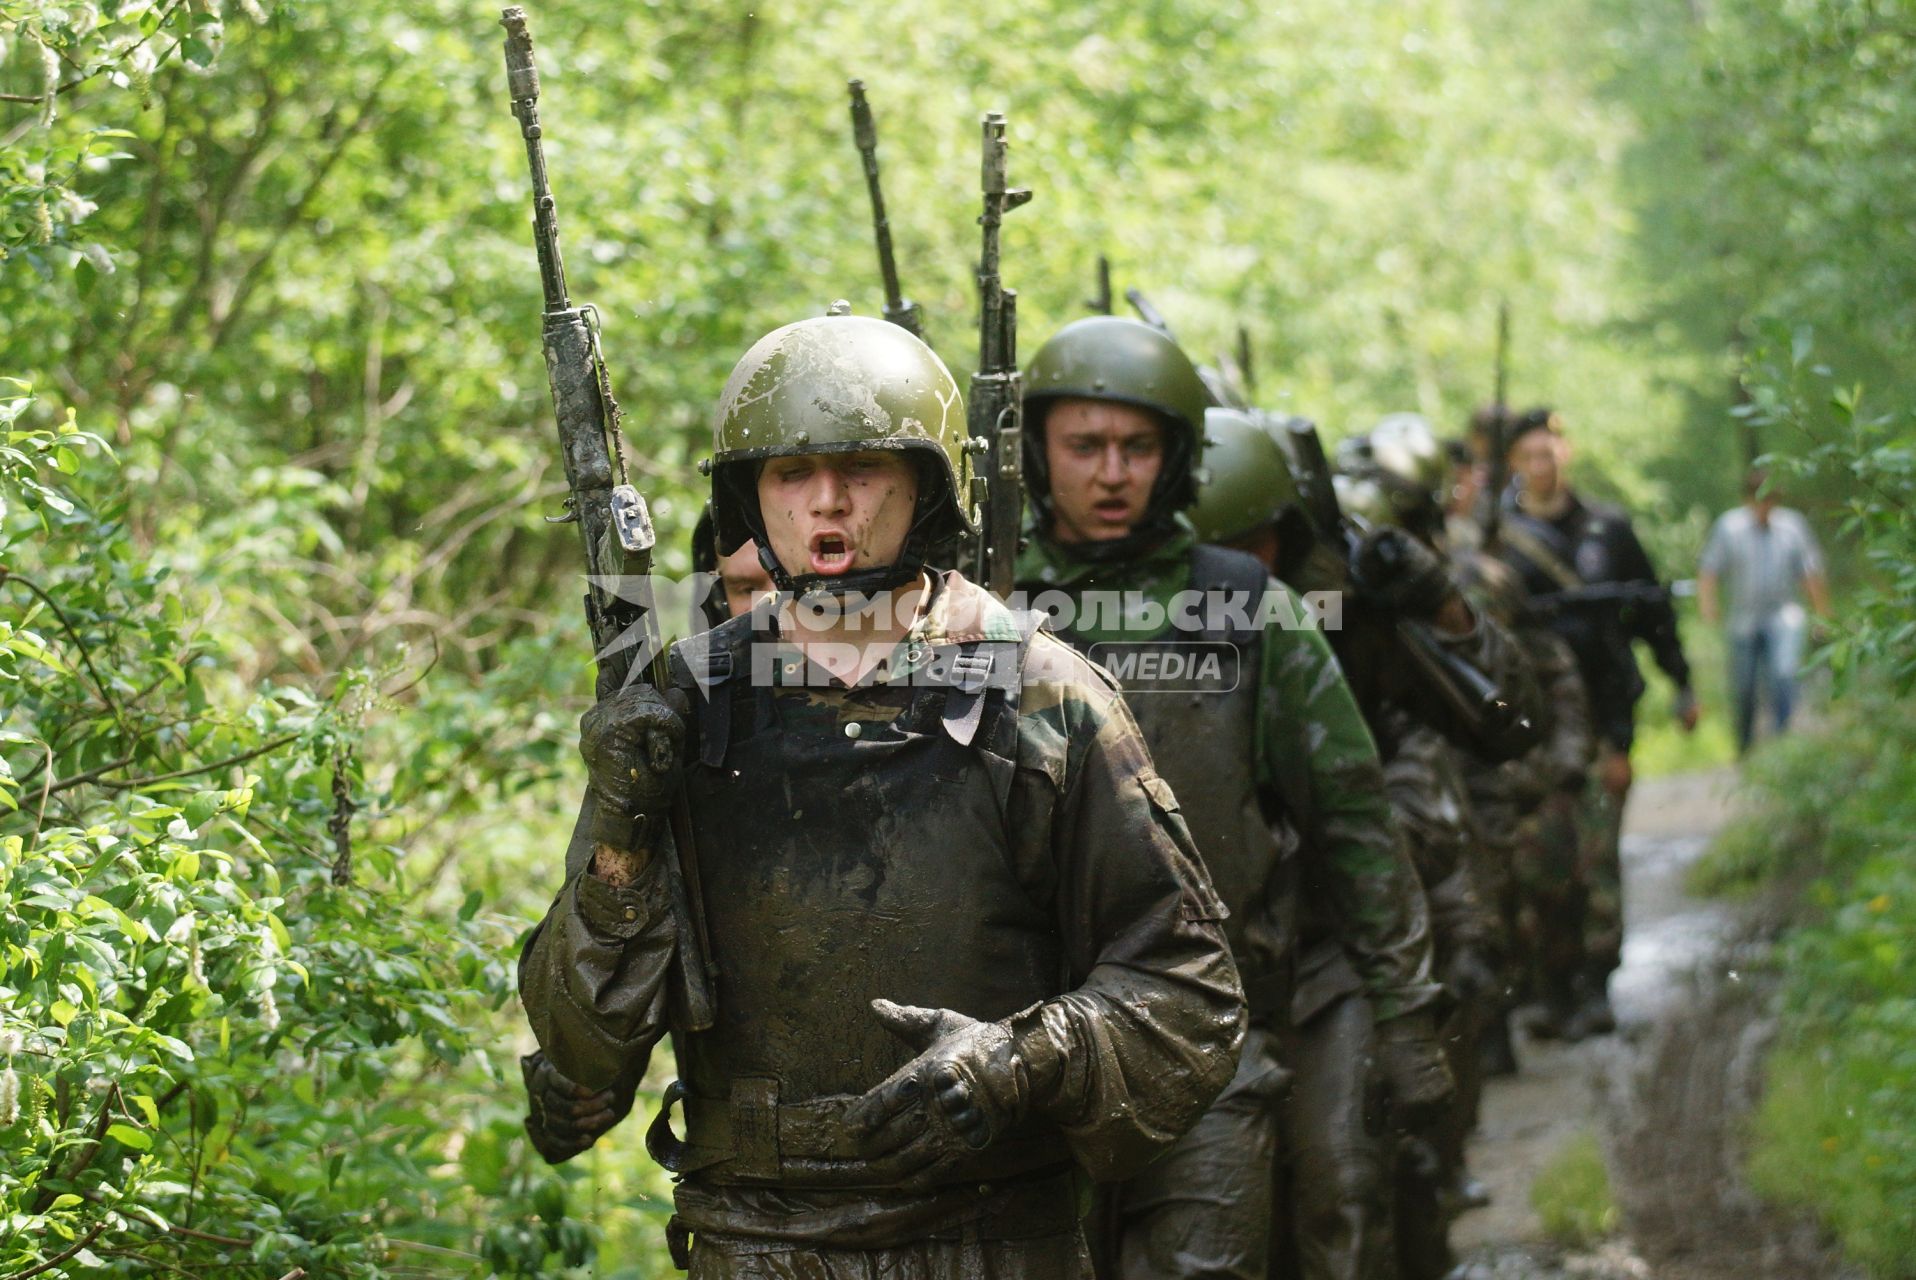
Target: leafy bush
pixel 1836 1131
pixel 1868 456
pixel 224 1037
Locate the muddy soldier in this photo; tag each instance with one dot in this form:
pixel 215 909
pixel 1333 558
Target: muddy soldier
pixel 966 954
pixel 1251 499
pixel 1587 558
pixel 1392 477
pixel 1272 751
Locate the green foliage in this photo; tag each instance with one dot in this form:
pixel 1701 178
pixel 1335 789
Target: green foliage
pixel 278 262
pixel 1827 434
pixel 1572 1196
pixel 1831 818
pixel 217 1041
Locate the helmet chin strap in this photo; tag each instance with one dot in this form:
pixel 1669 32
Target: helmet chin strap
pixel 861 582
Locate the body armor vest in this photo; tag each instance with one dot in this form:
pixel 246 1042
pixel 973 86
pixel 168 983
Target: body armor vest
pixel 841 861
pixel 1200 733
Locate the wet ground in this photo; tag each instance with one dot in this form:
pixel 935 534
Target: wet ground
pixel 1665 1096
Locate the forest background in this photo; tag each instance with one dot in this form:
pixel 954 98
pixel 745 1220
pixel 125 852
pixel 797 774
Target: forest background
pixel 291 662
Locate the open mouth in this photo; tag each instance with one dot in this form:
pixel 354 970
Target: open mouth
pixel 1112 509
pixel 831 553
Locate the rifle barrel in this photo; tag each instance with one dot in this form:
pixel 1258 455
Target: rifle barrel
pixel 522 82
pixel 865 137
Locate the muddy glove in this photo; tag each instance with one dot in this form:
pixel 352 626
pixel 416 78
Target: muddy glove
pixel 1401 574
pixel 566 1118
pixel 631 743
pixel 1412 1065
pixel 970 1084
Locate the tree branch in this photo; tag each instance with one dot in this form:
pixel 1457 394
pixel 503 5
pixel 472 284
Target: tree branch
pixel 39 1268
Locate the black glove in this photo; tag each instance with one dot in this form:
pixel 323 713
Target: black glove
pixel 1412 1065
pixel 1401 574
pixel 566 1118
pixel 631 743
pixel 970 1084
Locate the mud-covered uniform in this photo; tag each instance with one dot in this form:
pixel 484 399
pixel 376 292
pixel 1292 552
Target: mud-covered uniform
pixel 1589 544
pixel 1528 810
pixel 977 827
pixel 1423 741
pixel 1274 751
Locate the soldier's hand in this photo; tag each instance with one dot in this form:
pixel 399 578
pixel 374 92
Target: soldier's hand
pixel 564 1118
pixel 1412 1064
pixel 1686 709
pixel 631 744
pixel 1400 573
pixel 965 1089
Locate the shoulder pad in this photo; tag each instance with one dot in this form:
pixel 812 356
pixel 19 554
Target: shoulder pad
pixel 711 657
pixel 1229 573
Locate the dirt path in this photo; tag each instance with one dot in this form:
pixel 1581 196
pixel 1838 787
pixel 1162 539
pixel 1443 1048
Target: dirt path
pixel 1664 1096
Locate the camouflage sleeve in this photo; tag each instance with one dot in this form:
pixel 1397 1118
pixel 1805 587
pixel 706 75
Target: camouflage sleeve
pixel 1314 751
pixel 1150 1033
pixel 592 976
pixel 1565 755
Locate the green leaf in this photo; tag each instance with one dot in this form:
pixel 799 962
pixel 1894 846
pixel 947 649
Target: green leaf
pixel 126 1134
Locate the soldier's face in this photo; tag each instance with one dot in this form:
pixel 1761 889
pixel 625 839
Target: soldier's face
pixel 1538 458
pixel 831 513
pixel 743 579
pixel 1104 458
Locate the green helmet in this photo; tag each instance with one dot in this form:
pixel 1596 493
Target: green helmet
pixel 1117 358
pixel 839 384
pixel 1405 447
pixel 1402 458
pixel 1362 498
pixel 1245 482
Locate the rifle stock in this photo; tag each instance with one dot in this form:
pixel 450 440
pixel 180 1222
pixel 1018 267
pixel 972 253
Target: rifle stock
pixel 615 528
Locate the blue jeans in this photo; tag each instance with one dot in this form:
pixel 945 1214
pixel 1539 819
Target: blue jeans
pixel 1765 661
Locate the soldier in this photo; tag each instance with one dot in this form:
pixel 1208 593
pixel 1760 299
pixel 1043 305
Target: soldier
pixel 1528 812
pixel 738 580
pixel 1273 751
pixel 965 952
pixel 1250 499
pixel 1560 545
pixel 1395 476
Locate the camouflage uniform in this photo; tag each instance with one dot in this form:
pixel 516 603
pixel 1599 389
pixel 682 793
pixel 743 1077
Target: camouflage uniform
pixel 880 870
pixel 1590 543
pixel 1310 767
pixel 1528 809
pixel 973 829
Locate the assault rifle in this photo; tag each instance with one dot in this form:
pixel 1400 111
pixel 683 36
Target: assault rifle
pixel 614 525
pixel 1601 595
pixel 997 404
pixel 898 309
pixel 1497 473
pixel 1148 313
pixel 1218 385
pixel 1473 697
pixel 1099 303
